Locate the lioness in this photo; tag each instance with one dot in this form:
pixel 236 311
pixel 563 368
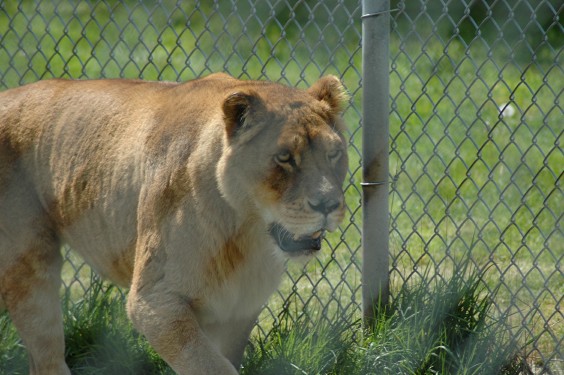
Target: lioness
pixel 191 195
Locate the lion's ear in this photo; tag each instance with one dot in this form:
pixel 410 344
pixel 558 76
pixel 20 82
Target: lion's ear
pixel 330 90
pixel 236 107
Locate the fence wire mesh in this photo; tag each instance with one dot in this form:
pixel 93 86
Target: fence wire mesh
pixel 476 125
pixel 476 158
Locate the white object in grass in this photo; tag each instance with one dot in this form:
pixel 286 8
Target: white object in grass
pixel 507 110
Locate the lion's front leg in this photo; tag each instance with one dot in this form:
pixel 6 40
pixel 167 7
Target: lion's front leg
pixel 171 327
pixel 165 316
pixel 232 337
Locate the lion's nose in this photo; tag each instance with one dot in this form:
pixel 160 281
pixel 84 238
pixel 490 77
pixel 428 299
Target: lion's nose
pixel 324 206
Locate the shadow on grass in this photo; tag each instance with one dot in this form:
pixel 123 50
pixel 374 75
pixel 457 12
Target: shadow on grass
pixel 100 339
pixel 98 335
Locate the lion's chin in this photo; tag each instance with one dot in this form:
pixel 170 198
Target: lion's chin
pixel 300 246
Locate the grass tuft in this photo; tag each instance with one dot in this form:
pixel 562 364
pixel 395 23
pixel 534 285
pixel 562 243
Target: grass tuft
pixel 100 339
pixel 13 359
pixel 440 327
pixel 306 346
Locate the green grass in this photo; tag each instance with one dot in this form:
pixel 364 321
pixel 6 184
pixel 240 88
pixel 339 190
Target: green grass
pixel 100 338
pixel 98 335
pixel 465 182
pixel 435 327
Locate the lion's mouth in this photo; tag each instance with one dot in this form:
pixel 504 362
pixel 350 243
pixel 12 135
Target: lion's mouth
pixel 296 246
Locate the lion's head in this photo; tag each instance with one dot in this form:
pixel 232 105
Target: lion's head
pixel 285 158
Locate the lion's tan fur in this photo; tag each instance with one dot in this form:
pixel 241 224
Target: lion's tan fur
pixel 167 189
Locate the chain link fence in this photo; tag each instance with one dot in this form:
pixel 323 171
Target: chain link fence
pixel 476 159
pixel 476 125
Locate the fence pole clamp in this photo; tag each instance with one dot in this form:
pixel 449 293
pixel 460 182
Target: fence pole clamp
pixel 377 183
pixel 376 14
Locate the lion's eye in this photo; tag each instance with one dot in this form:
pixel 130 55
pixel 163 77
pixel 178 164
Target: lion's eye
pixel 283 157
pixel 335 155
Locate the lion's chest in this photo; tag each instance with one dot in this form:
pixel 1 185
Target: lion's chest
pixel 243 292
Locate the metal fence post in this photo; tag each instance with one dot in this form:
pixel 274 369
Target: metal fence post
pixel 375 131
